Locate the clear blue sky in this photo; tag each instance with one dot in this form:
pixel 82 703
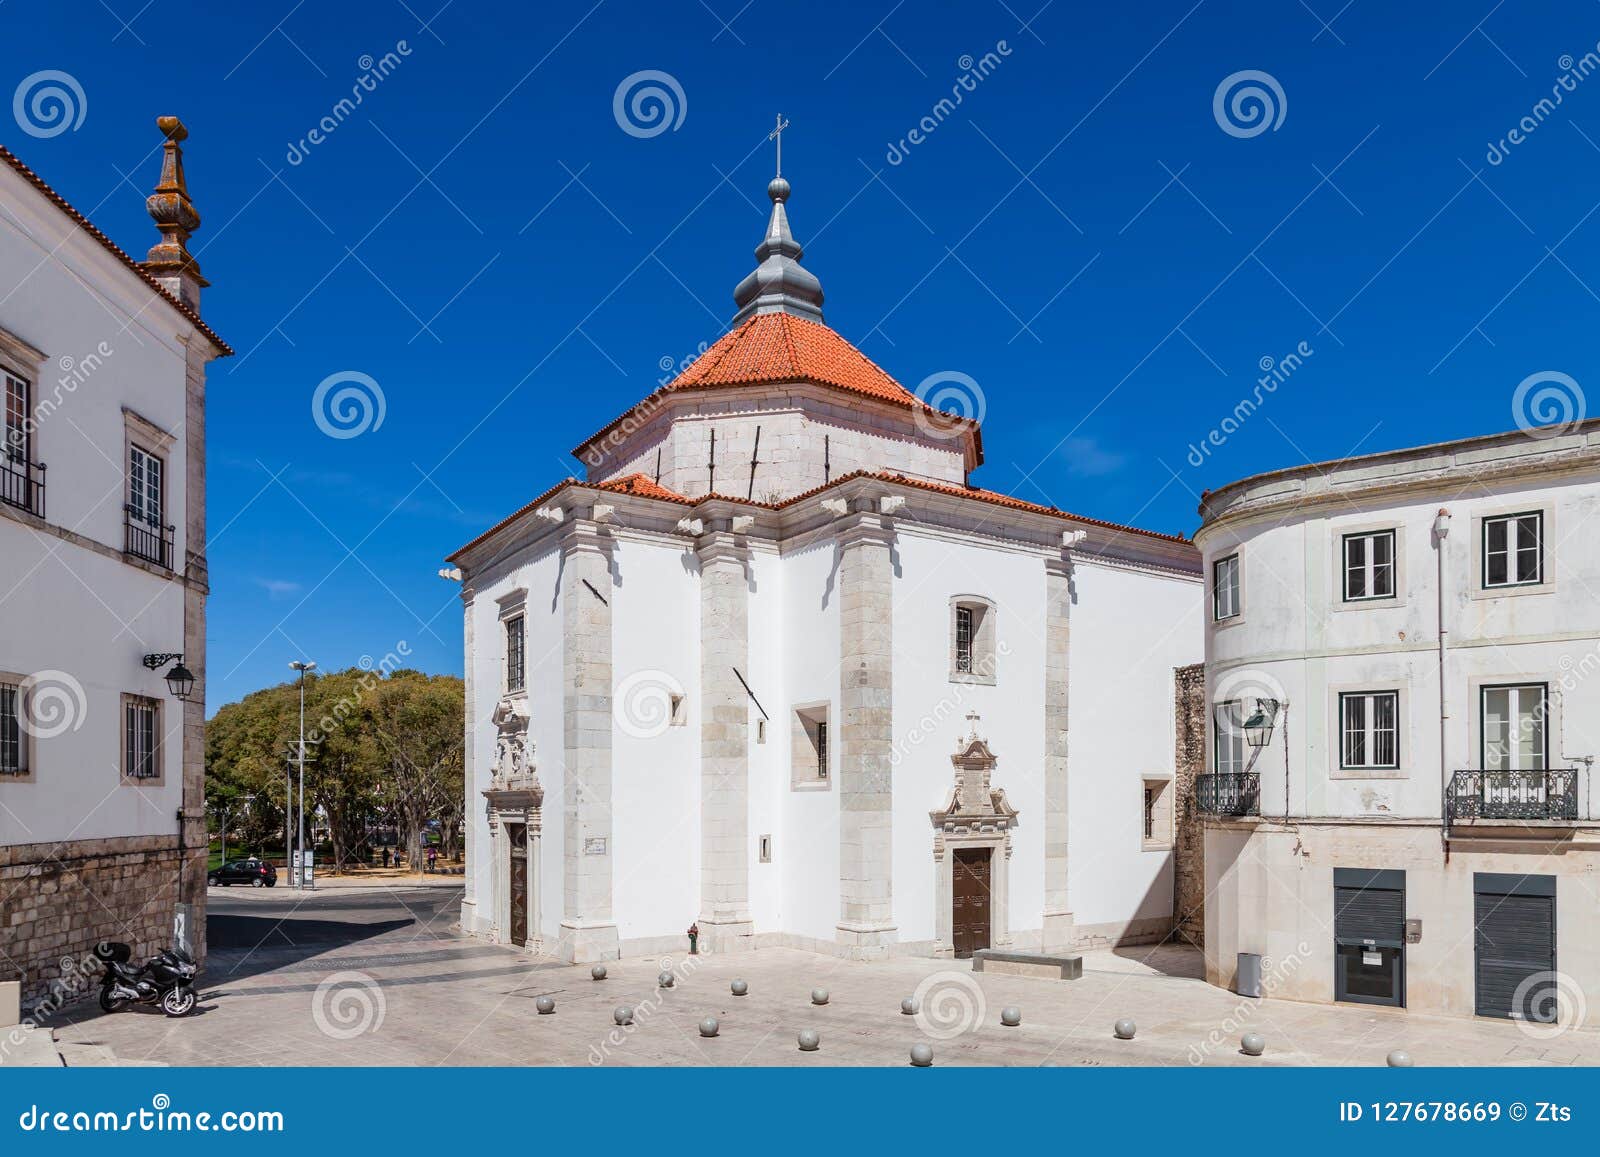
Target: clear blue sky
pixel 526 292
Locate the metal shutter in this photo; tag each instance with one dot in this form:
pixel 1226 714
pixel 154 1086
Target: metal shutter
pixel 1515 934
pixel 1369 907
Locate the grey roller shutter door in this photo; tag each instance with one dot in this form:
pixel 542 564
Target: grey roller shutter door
pixel 1515 935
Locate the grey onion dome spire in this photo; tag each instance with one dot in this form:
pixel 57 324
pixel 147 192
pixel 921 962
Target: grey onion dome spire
pixel 779 283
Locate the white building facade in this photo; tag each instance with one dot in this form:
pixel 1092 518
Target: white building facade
pixel 775 669
pixel 1419 631
pixel 102 580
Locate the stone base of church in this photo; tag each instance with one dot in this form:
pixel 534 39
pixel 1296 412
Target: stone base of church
pixel 587 943
pixel 718 938
pixel 1060 931
pixel 866 941
pixel 1123 933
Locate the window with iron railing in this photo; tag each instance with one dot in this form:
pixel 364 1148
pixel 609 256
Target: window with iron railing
pixel 21 478
pixel 141 735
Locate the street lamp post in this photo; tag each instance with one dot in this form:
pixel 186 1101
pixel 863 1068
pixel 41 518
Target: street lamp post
pixel 299 869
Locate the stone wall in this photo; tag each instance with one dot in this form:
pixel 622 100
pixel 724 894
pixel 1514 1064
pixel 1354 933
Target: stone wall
pixel 57 901
pixel 1189 760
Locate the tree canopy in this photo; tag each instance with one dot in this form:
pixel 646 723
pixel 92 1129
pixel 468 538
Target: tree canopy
pixel 383 749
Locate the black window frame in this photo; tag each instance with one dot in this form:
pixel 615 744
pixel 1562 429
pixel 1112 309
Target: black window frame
pixel 1511 556
pixel 516 656
pixel 14 753
pixel 1344 565
pixel 1399 729
pixel 964 645
pixel 140 712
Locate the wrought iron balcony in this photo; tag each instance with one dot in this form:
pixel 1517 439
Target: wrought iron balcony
pixel 149 541
pixel 1228 795
pixel 22 483
pixel 1514 795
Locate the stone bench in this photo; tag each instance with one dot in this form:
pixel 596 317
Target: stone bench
pixel 1028 964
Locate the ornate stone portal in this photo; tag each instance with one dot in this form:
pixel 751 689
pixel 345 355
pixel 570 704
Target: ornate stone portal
pixel 515 802
pixel 975 816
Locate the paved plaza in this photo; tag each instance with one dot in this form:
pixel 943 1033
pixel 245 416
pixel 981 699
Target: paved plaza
pixel 377 975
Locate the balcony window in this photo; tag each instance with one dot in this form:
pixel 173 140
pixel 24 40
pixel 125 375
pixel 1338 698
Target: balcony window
pixel 1369 566
pixel 21 479
pixel 1513 728
pixel 145 536
pixel 1369 729
pixel 1513 550
pixel 1225 588
pixel 1228 747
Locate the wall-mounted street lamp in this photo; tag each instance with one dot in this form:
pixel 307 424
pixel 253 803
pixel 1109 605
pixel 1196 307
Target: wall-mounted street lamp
pixel 1258 728
pixel 180 680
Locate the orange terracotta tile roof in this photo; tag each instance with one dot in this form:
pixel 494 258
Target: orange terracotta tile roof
pixel 779 347
pixel 642 485
pixel 112 247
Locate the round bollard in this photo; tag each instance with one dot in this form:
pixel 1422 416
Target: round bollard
pixel 598 972
pixel 1400 1059
pixel 809 1040
pixel 545 1004
pixel 922 1055
pixel 819 996
pixel 1124 1029
pixel 739 988
pixel 1252 1044
pixel 710 1026
pixel 908 1006
pixel 665 980
pixel 622 1014
pixel 1011 1016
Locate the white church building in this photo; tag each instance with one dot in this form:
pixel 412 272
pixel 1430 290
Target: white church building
pixel 864 707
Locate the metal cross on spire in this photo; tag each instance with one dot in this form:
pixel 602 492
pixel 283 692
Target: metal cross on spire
pixel 777 135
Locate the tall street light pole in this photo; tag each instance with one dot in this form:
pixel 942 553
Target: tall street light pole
pixel 299 871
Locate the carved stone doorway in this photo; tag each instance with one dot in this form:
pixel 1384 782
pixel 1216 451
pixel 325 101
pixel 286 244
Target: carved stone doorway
pixel 972 855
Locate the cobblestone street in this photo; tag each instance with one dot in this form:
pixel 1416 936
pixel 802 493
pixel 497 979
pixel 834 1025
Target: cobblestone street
pixel 378 976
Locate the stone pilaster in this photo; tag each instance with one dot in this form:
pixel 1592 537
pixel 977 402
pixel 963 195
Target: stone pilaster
pixel 190 917
pixel 588 931
pixel 724 919
pixel 866 928
pixel 469 895
pixel 1058 923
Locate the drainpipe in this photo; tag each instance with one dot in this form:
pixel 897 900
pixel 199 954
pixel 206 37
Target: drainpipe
pixel 1441 531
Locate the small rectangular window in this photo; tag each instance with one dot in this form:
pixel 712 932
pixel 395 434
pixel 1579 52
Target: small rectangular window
pixel 516 654
pixel 766 849
pixel 1369 566
pixel 1225 588
pixel 16 418
pixel 1149 813
pixel 808 748
pixel 964 640
pixel 140 739
pixel 761 730
pixel 822 749
pixel 1369 728
pixel 13 740
pixel 1513 550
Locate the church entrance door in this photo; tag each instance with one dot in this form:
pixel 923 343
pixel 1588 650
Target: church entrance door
pixel 517 845
pixel 970 895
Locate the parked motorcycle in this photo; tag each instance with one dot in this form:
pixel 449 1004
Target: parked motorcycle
pixel 167 979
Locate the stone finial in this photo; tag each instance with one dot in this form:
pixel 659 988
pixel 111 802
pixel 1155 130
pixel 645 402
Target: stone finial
pixel 691 526
pixel 779 283
pixel 550 513
pixel 170 261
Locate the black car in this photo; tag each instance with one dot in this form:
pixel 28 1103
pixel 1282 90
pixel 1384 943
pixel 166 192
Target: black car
pixel 256 873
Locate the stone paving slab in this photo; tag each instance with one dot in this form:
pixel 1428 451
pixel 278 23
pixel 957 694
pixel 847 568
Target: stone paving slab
pixel 389 983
